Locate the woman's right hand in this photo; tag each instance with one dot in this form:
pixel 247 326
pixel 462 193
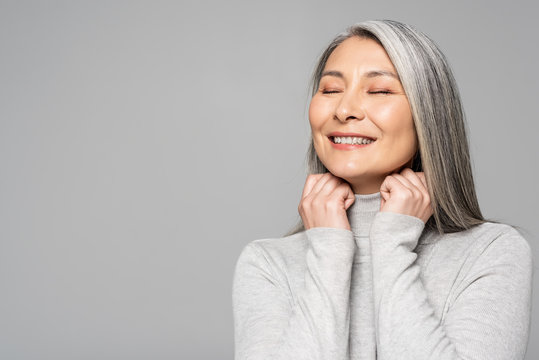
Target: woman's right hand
pixel 324 201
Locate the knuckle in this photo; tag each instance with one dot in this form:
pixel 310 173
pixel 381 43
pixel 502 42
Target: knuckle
pixel 407 171
pixel 343 185
pixel 406 194
pixel 315 202
pixel 305 204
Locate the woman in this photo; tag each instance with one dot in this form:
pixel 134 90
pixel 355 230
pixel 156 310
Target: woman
pixel 392 258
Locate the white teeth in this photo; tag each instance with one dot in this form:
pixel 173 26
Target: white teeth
pixel 351 140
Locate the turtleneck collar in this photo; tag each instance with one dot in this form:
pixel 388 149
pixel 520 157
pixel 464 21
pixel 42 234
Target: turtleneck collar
pixel 361 215
pixel 362 212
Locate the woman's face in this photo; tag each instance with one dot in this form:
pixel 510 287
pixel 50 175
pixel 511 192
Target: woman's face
pixel 360 94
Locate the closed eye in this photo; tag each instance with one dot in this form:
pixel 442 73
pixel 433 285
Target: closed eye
pixel 380 92
pixel 329 91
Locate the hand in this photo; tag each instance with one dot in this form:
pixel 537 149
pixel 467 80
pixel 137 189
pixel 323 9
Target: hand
pixel 406 193
pixel 324 201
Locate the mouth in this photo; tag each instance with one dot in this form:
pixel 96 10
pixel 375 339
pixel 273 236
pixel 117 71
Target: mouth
pixel 351 140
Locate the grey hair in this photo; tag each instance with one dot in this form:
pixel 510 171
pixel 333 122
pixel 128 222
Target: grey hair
pixel 432 92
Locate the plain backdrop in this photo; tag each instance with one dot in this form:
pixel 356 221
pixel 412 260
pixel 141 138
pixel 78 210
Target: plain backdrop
pixel 143 144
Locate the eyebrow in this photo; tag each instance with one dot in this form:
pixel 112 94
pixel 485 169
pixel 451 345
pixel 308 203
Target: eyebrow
pixel 368 74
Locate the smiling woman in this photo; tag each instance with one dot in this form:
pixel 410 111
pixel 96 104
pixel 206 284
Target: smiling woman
pixel 361 97
pixel 392 258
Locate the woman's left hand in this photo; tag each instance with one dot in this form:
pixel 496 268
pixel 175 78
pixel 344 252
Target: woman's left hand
pixel 406 193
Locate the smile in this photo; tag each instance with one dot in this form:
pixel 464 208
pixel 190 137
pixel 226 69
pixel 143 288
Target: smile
pixel 349 142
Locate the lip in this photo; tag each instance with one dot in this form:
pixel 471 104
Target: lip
pixel 338 133
pixel 348 146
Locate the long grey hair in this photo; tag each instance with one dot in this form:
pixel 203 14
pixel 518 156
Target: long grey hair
pixel 432 92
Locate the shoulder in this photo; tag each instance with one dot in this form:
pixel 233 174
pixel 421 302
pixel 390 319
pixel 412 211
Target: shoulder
pixel 478 235
pixel 498 262
pixel 499 236
pixel 487 243
pixel 486 251
pixel 503 244
pixel 275 254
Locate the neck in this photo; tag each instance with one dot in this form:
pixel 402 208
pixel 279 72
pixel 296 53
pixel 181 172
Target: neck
pixel 362 211
pixel 360 216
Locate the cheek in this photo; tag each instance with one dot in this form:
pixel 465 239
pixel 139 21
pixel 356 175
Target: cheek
pixel 404 132
pixel 397 125
pixel 395 119
pixel 318 112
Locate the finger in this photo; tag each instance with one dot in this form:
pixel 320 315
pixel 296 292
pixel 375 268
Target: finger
pixel 423 178
pixel 406 182
pixel 348 203
pixel 415 178
pixel 418 178
pixel 412 178
pixel 390 184
pixel 321 182
pixel 417 192
pixel 311 180
pixel 329 187
pixel 409 190
pixel 343 192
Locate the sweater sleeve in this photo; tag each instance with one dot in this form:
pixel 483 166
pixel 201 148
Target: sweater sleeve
pixel 490 315
pixel 314 324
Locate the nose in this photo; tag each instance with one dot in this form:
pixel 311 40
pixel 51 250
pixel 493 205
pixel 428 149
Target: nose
pixel 349 107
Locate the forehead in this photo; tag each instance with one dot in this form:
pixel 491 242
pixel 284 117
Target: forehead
pixel 359 53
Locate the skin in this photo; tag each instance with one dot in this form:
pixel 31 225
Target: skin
pixel 366 98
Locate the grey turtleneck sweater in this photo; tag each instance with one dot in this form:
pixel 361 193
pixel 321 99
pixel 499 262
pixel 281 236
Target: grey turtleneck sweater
pixel 385 289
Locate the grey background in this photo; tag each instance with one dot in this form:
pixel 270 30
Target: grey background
pixel 144 144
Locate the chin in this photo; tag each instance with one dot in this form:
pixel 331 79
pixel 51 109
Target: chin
pixel 347 174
